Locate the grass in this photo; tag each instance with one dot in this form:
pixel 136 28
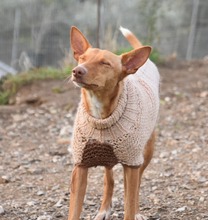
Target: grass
pixel 10 84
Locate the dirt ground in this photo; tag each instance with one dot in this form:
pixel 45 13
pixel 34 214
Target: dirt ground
pixel 35 164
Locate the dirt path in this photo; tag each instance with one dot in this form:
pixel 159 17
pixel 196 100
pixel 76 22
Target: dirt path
pixel 35 164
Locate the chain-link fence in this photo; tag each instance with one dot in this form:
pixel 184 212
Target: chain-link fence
pixel 35 33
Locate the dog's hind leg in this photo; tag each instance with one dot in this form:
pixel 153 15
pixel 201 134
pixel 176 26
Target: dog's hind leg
pixel 78 189
pixel 105 209
pixel 148 153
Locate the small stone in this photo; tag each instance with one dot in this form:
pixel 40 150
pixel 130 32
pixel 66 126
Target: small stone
pixel 30 111
pixel 31 203
pixel 56 159
pixel 90 203
pixel 163 155
pixel 154 188
pixel 63 141
pixel 36 171
pixel 201 199
pixel 44 217
pixel 174 152
pixel 40 193
pixel 66 131
pixel 53 111
pixel 204 94
pixel 18 118
pixel 70 150
pixel 59 203
pixel 182 209
pixel 167 99
pixel 1 210
pixel 115 216
pixel 4 179
pixel 54 188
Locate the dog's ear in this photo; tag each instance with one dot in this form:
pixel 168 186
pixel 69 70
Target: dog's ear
pixel 79 43
pixel 134 59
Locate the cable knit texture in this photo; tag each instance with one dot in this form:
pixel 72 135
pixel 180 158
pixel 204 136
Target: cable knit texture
pixel 122 136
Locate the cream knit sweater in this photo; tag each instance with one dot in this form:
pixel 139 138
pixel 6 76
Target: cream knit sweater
pixel 122 136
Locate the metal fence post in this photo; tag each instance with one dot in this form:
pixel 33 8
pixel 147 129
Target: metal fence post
pixel 15 36
pixel 192 33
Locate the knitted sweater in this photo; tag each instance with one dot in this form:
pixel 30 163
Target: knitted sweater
pixel 122 136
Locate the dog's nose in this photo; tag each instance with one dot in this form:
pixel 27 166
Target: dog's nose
pixel 79 71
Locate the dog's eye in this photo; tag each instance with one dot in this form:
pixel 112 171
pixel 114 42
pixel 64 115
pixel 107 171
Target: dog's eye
pixel 106 63
pixel 81 59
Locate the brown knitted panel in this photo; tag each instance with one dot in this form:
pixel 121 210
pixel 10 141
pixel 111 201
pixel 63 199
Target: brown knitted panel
pixel 98 154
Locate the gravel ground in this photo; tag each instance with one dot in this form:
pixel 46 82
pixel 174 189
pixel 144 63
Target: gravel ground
pixel 35 165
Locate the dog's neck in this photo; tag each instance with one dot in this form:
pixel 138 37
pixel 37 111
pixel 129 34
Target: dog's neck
pixel 100 104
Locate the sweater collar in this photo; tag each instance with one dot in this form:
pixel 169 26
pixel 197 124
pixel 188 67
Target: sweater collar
pixel 113 118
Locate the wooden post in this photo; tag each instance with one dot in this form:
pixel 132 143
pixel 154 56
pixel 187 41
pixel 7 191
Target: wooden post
pixel 192 33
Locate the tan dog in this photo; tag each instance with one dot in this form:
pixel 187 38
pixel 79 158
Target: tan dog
pixel 115 120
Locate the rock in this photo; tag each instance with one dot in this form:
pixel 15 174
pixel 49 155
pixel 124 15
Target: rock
pixel 44 217
pixel 31 203
pixel 40 193
pixel 66 131
pixel 18 117
pixel 115 215
pixel 164 154
pixel 63 141
pixel 167 99
pixel 59 203
pixel 204 94
pixel 182 209
pixel 70 150
pixel 54 188
pixel 53 111
pixel 1 210
pixel 56 159
pixel 201 199
pixel 4 179
pixel 90 203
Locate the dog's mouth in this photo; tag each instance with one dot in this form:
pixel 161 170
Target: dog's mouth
pixel 81 84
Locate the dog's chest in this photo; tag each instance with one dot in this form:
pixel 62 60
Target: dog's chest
pixel 96 106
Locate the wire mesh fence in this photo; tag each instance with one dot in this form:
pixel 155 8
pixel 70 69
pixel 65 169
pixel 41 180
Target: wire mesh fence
pixel 35 33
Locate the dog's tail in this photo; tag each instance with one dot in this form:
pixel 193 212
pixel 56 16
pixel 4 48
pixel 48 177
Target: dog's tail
pixel 132 39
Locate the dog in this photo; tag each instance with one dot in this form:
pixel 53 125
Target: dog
pixel 115 121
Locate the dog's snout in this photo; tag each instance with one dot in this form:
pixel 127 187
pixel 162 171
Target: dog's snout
pixel 79 71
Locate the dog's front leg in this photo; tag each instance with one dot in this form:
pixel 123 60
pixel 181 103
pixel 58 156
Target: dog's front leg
pixel 77 193
pixel 131 187
pixel 105 209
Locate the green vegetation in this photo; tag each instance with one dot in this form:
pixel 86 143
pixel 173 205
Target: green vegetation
pixel 123 50
pixel 10 84
pixel 154 56
pixel 4 97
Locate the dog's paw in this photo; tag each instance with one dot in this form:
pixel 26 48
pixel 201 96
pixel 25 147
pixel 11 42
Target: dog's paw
pixel 140 217
pixel 104 215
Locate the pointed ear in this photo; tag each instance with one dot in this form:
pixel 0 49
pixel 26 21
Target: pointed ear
pixel 134 59
pixel 79 43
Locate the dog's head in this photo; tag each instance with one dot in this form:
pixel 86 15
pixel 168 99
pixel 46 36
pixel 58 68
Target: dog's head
pixel 98 69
